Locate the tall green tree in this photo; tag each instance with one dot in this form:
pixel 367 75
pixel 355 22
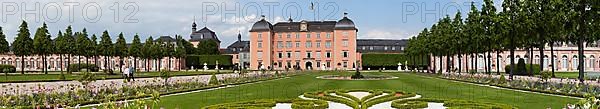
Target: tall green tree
pixel 106 49
pixel 61 47
pixel 70 48
pixel 147 51
pixel 23 44
pixel 135 50
pixel 93 48
pixel 4 48
pixel 120 48
pixel 180 51
pixel 41 45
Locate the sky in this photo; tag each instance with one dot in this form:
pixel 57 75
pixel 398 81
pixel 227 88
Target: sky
pixel 375 19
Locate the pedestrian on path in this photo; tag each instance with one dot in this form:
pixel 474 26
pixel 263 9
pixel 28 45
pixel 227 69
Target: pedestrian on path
pixel 125 73
pixel 131 71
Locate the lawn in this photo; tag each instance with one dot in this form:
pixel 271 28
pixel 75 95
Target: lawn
pixel 428 87
pixel 55 77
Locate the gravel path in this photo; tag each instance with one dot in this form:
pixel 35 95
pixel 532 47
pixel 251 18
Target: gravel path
pixel 64 86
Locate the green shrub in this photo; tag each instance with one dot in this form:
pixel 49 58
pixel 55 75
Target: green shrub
pixel 269 103
pixel 198 61
pixel 5 68
pixel 213 80
pixel 82 67
pixel 450 103
pixel 523 69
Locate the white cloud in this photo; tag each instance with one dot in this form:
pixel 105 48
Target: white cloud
pixel 386 34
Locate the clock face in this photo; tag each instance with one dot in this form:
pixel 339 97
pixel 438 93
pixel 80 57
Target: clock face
pixel 303 27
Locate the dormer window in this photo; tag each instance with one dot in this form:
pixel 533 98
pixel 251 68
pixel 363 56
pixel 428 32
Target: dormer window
pixel 303 26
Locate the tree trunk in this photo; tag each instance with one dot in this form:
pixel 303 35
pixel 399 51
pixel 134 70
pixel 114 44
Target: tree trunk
pixel 531 61
pixel 580 52
pixel 22 65
pixel 147 62
pixel 542 57
pixel 441 64
pixel 68 63
pixel 512 58
pixel 45 69
pixel 498 63
pixel 61 63
pixel 169 64
pixel 489 62
pixel 552 56
pixel 476 63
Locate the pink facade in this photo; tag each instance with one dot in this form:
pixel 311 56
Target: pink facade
pixel 312 45
pixel 565 59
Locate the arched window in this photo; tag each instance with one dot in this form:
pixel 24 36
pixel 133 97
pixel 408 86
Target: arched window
pixel 565 62
pixel 480 62
pixel 526 57
pixel 555 61
pixel 575 65
pixel 545 64
pixel 592 62
pixel 536 59
pixel 500 62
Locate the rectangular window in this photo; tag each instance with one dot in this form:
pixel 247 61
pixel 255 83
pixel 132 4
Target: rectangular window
pixel 279 36
pixel 328 64
pixel 308 44
pixel 259 36
pixel 289 35
pixel 318 44
pixel 328 55
pixel 345 43
pixel 297 55
pixel 318 35
pixel 308 54
pixel 345 64
pixel 237 56
pixel 289 55
pixel 318 55
pixel 385 48
pixel 370 47
pixel 259 55
pixel 328 44
pixel 279 44
pixel 297 35
pixel 393 48
pixel 288 44
pixel 259 45
pixel 401 48
pixel 308 35
pixel 280 55
pixel 328 35
pixel 345 54
pixel 363 47
pixel 298 44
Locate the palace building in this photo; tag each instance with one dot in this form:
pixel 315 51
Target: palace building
pixel 304 44
pixel 565 59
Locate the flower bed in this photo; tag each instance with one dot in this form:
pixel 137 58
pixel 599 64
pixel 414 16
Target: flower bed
pixel 574 89
pixel 269 103
pixel 82 96
pixel 450 103
pixel 359 103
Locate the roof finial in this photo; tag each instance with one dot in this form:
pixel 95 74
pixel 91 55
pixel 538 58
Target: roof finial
pixel 290 19
pixel 345 14
pixel 262 17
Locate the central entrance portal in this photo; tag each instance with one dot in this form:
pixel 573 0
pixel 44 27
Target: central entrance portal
pixel 308 66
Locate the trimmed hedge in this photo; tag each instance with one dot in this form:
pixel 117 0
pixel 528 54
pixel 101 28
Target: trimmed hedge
pixel 198 61
pixel 80 66
pixel 450 103
pixel 5 68
pixel 536 69
pixel 268 103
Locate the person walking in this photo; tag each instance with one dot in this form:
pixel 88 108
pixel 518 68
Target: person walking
pixel 131 71
pixel 126 73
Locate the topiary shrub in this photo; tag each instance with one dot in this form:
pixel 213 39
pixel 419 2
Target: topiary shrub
pixel 80 67
pixel 213 80
pixel 523 69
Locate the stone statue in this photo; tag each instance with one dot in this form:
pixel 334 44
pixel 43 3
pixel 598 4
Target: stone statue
pixel 205 68
pixel 399 66
pixel 217 65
